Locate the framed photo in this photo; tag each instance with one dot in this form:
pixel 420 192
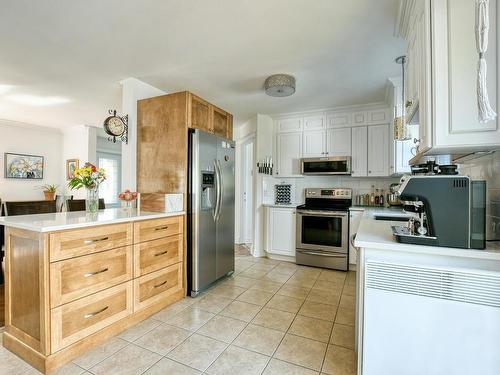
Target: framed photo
pixel 71 166
pixel 26 167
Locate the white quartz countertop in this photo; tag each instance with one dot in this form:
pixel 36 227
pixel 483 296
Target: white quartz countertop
pixel 377 234
pixel 291 205
pixel 80 219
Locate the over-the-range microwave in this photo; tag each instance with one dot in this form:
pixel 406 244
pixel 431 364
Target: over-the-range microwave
pixel 327 165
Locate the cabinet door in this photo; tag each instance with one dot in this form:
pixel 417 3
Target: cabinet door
pixel 314 143
pixel 281 231
pixel 378 150
pixel 288 154
pixel 220 120
pixel 354 221
pixel 339 142
pixel 289 125
pixel 314 122
pixel 201 114
pixel 339 119
pixel 359 152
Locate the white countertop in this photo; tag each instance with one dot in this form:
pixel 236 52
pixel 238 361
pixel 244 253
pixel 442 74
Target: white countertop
pixel 80 219
pixel 291 205
pixel 377 234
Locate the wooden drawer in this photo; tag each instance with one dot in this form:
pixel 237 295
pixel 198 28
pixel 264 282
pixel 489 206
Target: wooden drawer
pixel 78 277
pixel 76 320
pixel 148 230
pixel 76 242
pixel 157 254
pixel 152 288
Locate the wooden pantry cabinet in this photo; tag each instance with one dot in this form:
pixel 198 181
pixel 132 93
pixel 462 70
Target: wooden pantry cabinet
pixel 69 290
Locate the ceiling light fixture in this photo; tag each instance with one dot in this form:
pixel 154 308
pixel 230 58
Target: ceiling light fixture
pixel 37 101
pixel 280 85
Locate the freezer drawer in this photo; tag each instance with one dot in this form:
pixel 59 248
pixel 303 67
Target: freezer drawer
pixel 324 259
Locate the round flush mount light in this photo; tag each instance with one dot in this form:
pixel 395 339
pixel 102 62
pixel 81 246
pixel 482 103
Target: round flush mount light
pixel 280 85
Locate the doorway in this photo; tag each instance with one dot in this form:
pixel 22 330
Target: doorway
pixel 247 192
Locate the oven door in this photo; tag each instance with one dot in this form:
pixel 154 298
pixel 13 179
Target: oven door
pixel 323 231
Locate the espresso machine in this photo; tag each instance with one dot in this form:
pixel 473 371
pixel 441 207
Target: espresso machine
pixel 446 210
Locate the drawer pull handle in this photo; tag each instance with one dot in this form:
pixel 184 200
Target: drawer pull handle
pixel 162 253
pixel 95 273
pixel 88 242
pixel 161 284
pixel 162 228
pixel 86 316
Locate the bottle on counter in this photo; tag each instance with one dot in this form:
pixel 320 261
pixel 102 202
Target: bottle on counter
pixel 367 200
pixel 372 197
pixel 377 198
pixel 381 199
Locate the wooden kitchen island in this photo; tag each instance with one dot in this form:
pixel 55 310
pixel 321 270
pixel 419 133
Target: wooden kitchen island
pixel 74 280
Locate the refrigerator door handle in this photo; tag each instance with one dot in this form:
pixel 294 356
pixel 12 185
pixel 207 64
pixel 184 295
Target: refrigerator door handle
pixel 218 182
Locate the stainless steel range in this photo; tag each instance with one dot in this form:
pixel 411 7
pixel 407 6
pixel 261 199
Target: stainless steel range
pixel 323 228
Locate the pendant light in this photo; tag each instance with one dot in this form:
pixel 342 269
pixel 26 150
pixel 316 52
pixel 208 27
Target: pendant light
pixel 400 128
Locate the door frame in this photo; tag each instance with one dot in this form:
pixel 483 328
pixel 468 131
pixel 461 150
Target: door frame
pixel 247 218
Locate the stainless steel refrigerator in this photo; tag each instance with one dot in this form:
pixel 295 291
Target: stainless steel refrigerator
pixel 210 210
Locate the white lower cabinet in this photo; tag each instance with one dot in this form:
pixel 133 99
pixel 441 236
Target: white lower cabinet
pixel 354 221
pixel 288 154
pixel 280 230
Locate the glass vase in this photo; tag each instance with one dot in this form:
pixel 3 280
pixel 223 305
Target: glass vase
pixel 92 201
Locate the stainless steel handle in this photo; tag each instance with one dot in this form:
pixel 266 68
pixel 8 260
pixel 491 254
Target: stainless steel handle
pixel 86 316
pixel 324 254
pixel 162 228
pixel 322 213
pixel 160 284
pixel 219 182
pixel 162 253
pixel 88 242
pixel 95 273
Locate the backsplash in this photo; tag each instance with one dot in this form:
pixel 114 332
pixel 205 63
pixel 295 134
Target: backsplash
pixel 357 184
pixel 488 168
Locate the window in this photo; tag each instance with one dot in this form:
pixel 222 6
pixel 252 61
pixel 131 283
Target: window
pixel 111 187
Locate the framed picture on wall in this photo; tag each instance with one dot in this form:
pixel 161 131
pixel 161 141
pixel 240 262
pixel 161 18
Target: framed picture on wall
pixel 71 166
pixel 27 167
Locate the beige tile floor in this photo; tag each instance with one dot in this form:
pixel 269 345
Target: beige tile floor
pixel 269 318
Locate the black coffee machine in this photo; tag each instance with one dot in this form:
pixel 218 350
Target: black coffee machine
pixel 447 211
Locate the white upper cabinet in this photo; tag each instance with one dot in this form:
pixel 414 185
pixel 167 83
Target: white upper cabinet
pixel 338 142
pixel 293 124
pixel 378 150
pixel 314 122
pixel 359 160
pixel 339 119
pixel 442 73
pixel 314 142
pixel 359 118
pixel 288 154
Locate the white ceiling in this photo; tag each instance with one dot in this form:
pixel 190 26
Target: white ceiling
pixel 340 52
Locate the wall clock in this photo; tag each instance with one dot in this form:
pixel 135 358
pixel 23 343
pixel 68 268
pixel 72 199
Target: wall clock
pixel 116 127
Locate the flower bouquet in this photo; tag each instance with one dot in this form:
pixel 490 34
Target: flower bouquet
pixel 127 196
pixel 89 177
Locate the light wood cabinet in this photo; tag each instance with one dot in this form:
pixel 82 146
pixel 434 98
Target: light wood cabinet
pixel 288 154
pixel 200 114
pixel 280 231
pixel 65 295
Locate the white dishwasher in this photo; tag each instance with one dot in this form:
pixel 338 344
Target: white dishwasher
pixel 421 320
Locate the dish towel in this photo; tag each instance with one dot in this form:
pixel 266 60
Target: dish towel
pixel 485 112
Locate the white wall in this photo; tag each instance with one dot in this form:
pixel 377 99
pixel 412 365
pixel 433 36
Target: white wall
pixel 79 142
pixel 35 140
pixel 132 91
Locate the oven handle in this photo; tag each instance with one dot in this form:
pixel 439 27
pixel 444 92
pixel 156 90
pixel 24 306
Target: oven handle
pixel 323 254
pixel 322 213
